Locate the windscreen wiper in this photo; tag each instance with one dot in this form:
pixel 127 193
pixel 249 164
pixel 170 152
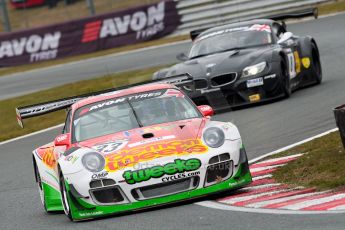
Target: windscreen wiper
pixel 135 114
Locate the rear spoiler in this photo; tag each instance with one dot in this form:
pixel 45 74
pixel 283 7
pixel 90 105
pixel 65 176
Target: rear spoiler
pixel 64 103
pixel 278 17
pixel 297 14
pixel 194 33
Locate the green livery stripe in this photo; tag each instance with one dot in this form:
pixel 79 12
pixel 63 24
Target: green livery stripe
pixel 83 210
pixel 52 198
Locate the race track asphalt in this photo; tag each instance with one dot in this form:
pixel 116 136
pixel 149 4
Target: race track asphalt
pixel 264 128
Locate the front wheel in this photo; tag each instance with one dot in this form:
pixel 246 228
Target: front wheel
pixel 64 196
pixel 286 79
pixel 40 187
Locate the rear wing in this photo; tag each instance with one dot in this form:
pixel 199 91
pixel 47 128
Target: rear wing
pixel 297 14
pixel 278 17
pixel 64 103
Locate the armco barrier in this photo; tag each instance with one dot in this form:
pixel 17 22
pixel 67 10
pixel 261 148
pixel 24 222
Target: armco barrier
pixel 89 34
pixel 196 14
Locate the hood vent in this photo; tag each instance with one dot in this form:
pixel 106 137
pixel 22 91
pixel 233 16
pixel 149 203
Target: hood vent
pixel 148 135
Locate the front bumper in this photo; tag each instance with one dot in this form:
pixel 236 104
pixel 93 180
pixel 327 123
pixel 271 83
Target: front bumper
pixel 81 210
pixel 237 93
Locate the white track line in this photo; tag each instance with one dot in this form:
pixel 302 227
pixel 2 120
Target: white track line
pixel 265 168
pixel 262 177
pixel 220 206
pixel 280 158
pixel 340 207
pixel 252 188
pixel 31 134
pixel 254 196
pixel 311 202
pixel 291 146
pixel 274 201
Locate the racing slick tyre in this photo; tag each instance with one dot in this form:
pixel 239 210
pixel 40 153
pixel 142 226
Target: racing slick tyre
pixel 315 68
pixel 286 79
pixel 40 187
pixel 64 196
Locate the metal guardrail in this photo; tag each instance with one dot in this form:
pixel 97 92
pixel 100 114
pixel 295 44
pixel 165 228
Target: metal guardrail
pixel 198 14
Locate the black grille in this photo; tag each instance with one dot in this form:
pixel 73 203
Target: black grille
pixel 223 79
pixel 95 184
pixel 217 172
pixel 107 195
pixel 101 183
pixel 164 189
pixel 200 83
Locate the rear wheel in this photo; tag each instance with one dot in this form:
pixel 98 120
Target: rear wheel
pixel 286 79
pixel 64 196
pixel 316 70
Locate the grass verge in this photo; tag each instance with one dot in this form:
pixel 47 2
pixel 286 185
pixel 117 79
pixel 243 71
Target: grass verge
pixel 332 7
pixel 9 127
pixel 320 167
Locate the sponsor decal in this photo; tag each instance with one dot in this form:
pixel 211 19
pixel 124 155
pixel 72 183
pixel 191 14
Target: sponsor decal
pixel 179 176
pixel 297 62
pixel 130 157
pixel 90 213
pixel 127 134
pixel 144 23
pixel 61 138
pixel 39 47
pixel 99 175
pixel 151 140
pixel 123 99
pixel 173 93
pixel 48 157
pixel 270 76
pixel 110 147
pixel 72 159
pixel 256 27
pixel 156 128
pixel 306 62
pixel 222 32
pixel 178 166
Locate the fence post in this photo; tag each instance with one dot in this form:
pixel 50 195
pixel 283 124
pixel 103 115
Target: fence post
pixel 91 7
pixel 5 19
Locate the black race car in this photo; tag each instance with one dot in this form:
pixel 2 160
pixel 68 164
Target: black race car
pixel 247 62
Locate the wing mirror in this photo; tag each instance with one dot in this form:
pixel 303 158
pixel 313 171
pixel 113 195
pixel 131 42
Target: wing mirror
pixel 286 36
pixel 63 140
pixel 206 110
pixel 182 57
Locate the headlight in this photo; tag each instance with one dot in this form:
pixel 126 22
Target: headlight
pixel 254 69
pixel 214 137
pixel 94 162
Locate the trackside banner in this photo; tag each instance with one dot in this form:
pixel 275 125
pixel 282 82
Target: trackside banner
pixel 89 34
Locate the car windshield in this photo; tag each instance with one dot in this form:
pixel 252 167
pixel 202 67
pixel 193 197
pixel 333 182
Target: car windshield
pixel 133 111
pixel 231 39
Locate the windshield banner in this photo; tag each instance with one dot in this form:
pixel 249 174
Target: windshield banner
pixel 90 34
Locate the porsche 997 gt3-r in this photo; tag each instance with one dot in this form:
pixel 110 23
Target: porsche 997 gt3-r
pixel 132 149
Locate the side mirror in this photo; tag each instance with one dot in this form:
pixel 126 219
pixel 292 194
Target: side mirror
pixel 206 110
pixel 182 57
pixel 63 140
pixel 286 36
